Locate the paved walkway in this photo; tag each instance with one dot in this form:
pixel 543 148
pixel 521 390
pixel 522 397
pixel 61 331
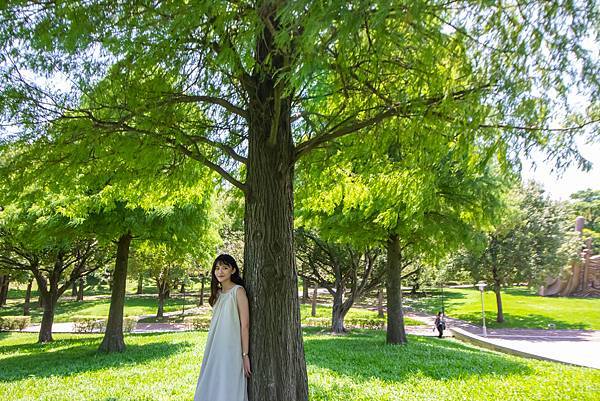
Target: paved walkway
pixel 574 347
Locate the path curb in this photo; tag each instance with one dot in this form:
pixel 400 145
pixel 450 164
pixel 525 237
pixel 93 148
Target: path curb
pixel 483 342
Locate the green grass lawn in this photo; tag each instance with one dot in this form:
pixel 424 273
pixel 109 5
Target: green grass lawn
pixel 522 308
pixel 358 366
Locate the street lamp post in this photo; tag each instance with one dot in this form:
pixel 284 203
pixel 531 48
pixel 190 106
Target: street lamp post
pixel 481 285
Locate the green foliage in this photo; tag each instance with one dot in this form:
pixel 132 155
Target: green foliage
pixel 14 322
pixel 586 203
pixel 89 324
pixel 197 322
pixel 131 67
pixel 530 244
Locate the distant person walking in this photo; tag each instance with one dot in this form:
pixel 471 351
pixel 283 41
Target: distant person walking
pixel 226 364
pixel 440 324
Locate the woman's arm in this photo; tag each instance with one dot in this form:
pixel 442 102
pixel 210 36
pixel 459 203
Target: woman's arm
pixel 244 312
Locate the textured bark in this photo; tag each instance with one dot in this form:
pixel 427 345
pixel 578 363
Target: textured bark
pixel 80 287
pixel 140 285
pixel 113 337
pixel 276 347
pixel 45 334
pixel 161 306
pixel 162 292
pixel 497 288
pixel 380 312
pixel 305 289
pixel 26 304
pixel 396 333
pixel 4 289
pixel 313 309
pixel 338 313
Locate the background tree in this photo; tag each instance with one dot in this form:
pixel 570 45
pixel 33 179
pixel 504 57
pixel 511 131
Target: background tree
pixel 529 244
pixel 114 199
pixel 345 271
pixel 40 242
pixel 586 203
pixel 419 201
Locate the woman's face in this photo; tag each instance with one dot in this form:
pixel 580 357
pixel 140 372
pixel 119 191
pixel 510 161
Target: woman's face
pixel 223 272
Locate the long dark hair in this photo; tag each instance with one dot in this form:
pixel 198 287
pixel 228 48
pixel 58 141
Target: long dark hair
pixel 215 286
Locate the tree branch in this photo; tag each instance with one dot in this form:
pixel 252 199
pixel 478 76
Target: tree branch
pixel 202 159
pixel 181 98
pixel 395 110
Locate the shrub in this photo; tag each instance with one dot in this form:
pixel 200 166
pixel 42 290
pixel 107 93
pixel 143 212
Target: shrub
pixel 14 322
pixel 356 323
pixel 364 323
pixel 318 321
pixel 197 322
pixel 88 324
pixel 129 323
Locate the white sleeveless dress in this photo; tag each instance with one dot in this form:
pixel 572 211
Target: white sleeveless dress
pixel 222 371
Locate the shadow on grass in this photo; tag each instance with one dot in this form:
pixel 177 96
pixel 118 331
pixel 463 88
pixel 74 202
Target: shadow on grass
pixel 71 356
pixel 530 321
pixel 363 355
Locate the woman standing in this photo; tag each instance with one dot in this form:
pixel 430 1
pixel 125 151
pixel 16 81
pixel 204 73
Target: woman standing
pixel 226 363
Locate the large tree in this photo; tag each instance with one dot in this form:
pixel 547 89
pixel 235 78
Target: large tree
pixel 275 79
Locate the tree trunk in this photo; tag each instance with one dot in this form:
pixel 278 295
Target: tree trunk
pixel 27 298
pixel 396 333
pixel 201 301
pixel 40 301
pixel 80 290
pixel 497 288
pixel 182 289
pixel 113 337
pixel 140 285
pixel 500 317
pixel 161 305
pixel 305 288
pixel 276 347
pixel 168 294
pixel 1 289
pixel 4 290
pixel 337 313
pixel 313 310
pixel 74 289
pixel 45 334
pixel 162 291
pixel 380 302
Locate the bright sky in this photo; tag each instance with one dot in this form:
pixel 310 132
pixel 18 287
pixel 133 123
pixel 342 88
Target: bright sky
pixel 571 180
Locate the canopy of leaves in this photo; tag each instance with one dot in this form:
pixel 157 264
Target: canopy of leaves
pixel 344 65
